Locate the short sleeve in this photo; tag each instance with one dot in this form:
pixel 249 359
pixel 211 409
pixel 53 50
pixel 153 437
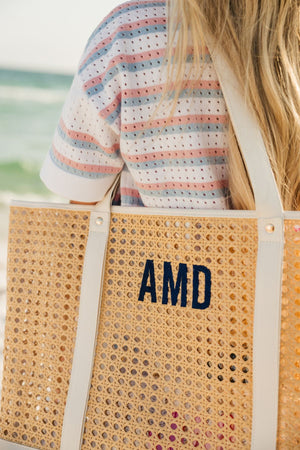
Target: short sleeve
pixel 84 158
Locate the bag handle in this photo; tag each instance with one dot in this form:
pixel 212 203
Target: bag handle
pixel 267 198
pixel 267 314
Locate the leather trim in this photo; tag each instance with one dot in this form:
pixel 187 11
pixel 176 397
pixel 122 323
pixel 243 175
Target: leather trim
pixel 89 310
pixel 267 198
pixel 6 445
pixel 266 335
pixel 141 210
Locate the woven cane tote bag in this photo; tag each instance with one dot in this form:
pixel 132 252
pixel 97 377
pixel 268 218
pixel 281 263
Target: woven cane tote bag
pixel 155 329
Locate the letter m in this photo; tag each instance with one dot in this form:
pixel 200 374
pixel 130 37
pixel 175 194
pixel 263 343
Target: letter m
pixel 168 284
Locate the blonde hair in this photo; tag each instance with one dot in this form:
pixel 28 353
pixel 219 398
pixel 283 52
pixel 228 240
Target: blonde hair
pixel 261 40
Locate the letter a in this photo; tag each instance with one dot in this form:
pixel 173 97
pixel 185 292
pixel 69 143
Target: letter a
pixel 207 293
pixel 148 273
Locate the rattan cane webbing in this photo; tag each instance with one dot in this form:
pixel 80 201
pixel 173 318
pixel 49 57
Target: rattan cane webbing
pixel 168 376
pixel 45 260
pixel 289 393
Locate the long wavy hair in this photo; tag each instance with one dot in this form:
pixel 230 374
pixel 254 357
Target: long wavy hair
pixel 261 40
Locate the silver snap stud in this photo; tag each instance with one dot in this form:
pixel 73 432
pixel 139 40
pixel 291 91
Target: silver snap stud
pixel 99 221
pixel 270 228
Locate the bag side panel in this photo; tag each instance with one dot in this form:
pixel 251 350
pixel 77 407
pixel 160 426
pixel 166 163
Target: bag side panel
pixel 46 250
pixel 289 392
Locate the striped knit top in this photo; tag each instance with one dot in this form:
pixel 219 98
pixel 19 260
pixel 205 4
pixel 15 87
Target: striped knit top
pixel 110 122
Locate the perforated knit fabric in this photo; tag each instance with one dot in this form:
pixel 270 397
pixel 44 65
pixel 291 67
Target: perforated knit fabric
pixel 105 124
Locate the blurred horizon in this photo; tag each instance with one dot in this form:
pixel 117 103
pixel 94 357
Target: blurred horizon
pixel 40 47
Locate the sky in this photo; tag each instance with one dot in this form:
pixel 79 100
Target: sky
pixel 48 35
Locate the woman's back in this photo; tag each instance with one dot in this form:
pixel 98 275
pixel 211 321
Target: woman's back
pixel 111 121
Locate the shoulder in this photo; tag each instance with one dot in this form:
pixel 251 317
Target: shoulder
pixel 120 34
pixel 131 12
pixel 126 21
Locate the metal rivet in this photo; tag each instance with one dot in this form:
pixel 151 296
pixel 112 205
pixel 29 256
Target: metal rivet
pixel 270 228
pixel 99 221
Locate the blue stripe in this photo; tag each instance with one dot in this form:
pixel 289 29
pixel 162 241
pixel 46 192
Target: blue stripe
pixel 73 171
pixel 191 93
pixel 131 201
pixel 182 193
pixel 123 35
pixel 123 67
pixel 177 129
pixel 174 162
pixel 122 11
pixel 114 115
pixel 76 143
pixel 131 67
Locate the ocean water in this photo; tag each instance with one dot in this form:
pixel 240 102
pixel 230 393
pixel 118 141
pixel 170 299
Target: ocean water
pixel 30 106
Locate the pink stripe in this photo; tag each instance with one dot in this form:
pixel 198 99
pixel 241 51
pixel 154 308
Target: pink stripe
pixel 159 53
pixel 85 167
pixel 77 135
pixel 195 153
pixel 210 186
pixel 139 57
pixel 110 108
pixel 183 120
pixel 157 89
pixel 130 192
pixel 125 27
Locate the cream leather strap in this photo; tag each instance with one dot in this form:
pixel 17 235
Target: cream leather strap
pixel 6 445
pixel 267 199
pixel 267 315
pixel 88 320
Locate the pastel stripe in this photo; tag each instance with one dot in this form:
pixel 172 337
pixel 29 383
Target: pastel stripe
pixel 158 88
pixel 176 121
pixel 122 59
pixel 114 36
pixel 130 192
pixel 182 154
pixel 132 201
pixel 115 69
pixel 114 108
pixel 112 113
pixel 84 170
pixel 123 66
pixel 120 10
pixel 123 35
pixel 186 194
pixel 181 162
pixel 151 99
pixel 170 130
pixel 209 186
pixel 84 140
